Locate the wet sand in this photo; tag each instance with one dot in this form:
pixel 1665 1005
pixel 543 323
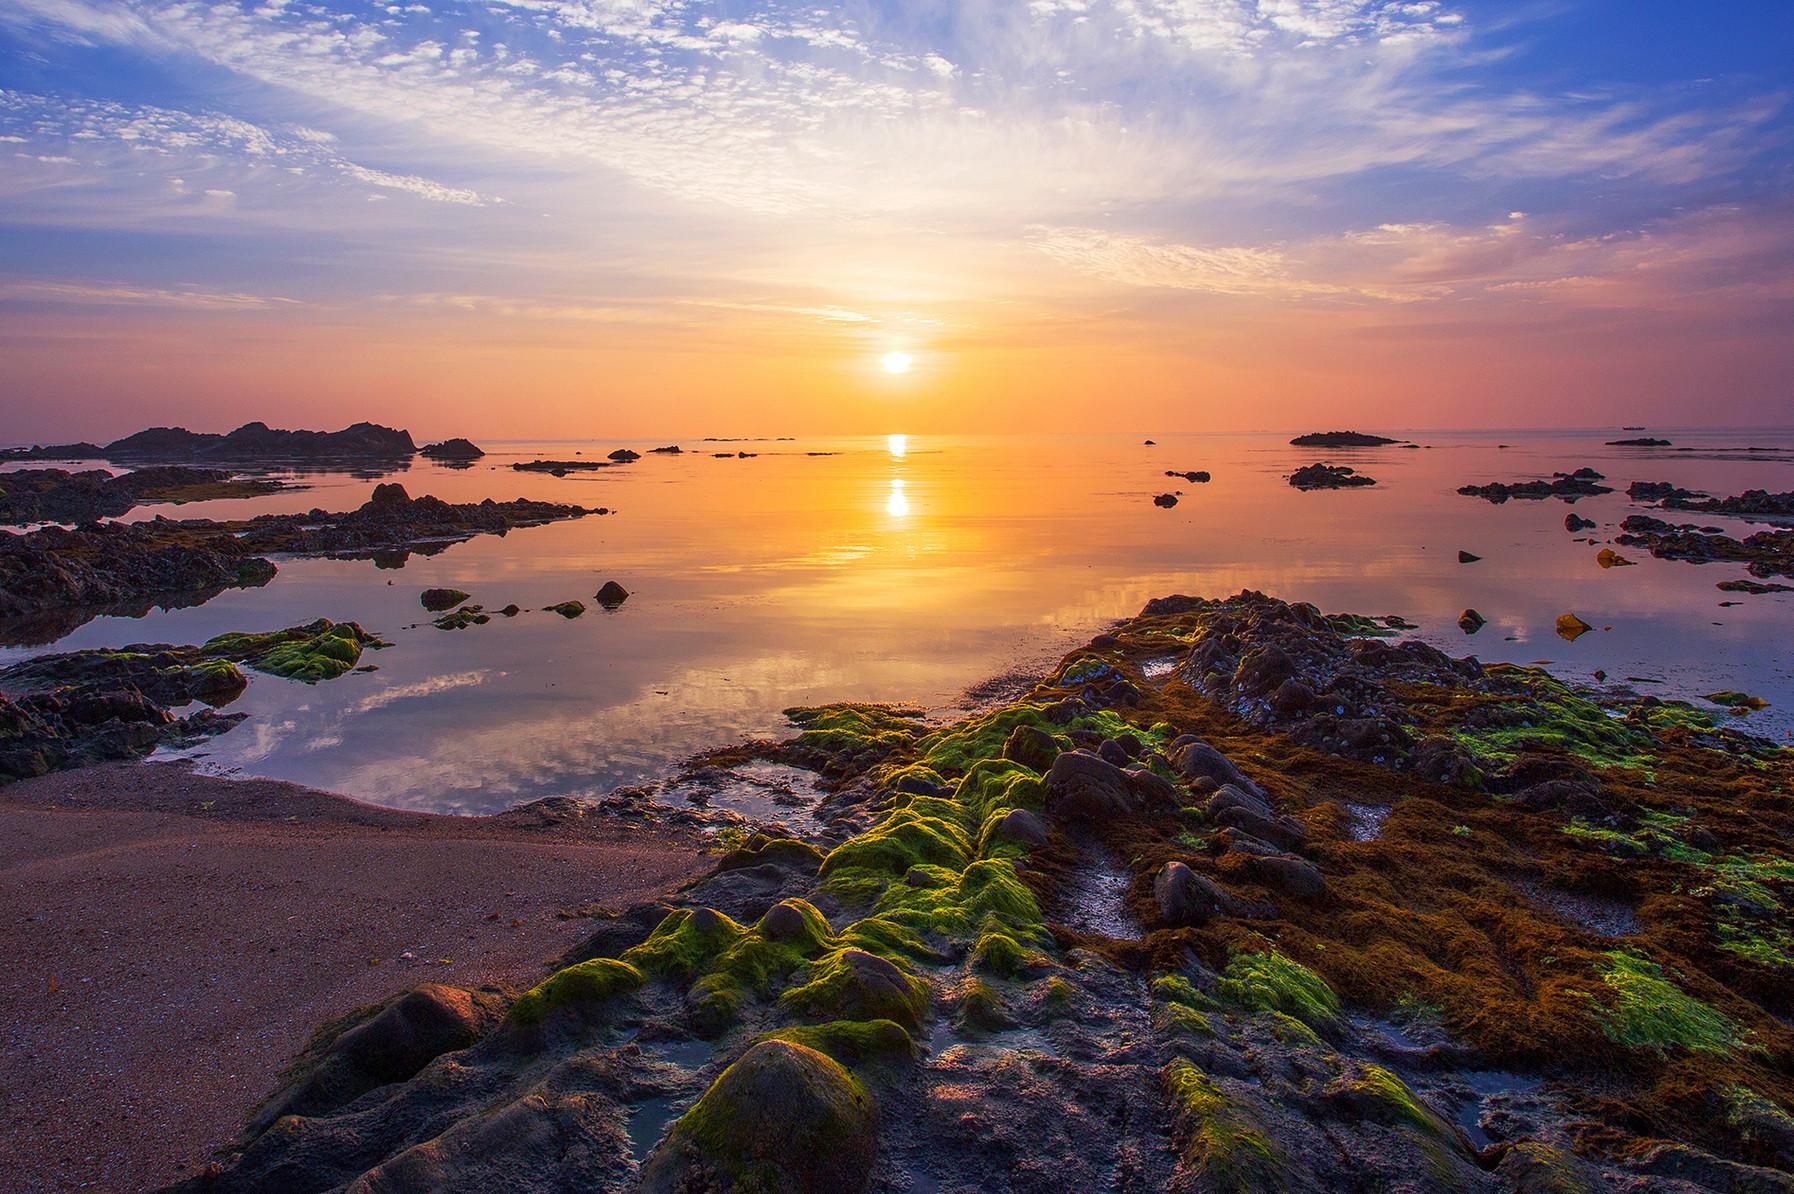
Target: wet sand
pixel 168 942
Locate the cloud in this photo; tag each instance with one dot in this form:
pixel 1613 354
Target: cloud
pixel 39 290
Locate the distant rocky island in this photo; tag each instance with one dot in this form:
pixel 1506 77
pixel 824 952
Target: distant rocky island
pixel 1342 439
pixel 252 442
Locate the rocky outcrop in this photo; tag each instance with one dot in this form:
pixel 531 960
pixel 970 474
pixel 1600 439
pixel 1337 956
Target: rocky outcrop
pixel 56 495
pixel 1329 476
pixel 1341 439
pixel 1764 554
pixel 452 449
pixel 1568 487
pixel 256 442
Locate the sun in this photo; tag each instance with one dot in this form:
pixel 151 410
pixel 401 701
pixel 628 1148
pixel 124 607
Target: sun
pixel 897 362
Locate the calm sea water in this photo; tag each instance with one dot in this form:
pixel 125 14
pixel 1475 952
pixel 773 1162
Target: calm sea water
pixel 910 568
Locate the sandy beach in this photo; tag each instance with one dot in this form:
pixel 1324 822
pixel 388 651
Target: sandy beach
pixel 169 941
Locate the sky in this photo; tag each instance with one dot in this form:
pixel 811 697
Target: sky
pixel 569 218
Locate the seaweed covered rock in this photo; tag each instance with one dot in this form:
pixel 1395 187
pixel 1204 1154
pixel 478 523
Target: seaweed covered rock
pixel 785 1119
pixel 320 650
pixel 437 600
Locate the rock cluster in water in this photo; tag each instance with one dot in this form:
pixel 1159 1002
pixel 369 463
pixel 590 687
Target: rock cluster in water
pixel 53 580
pixel 1329 476
pixel 1275 998
pixel 57 495
pixel 1568 487
pixel 81 707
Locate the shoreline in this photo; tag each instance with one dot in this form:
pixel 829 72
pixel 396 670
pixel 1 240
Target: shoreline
pixel 175 939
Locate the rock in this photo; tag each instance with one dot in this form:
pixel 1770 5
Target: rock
pixel 561 468
pixel 784 1119
pixel 1198 760
pixel 1154 791
pixel 1445 761
pixel 1609 558
pixel 1465 557
pixel 1023 827
pixel 669 450
pixel 390 1046
pixel 1765 554
pixel 624 455
pixel 1575 522
pixel 1292 696
pixel 856 985
pixel 1287 873
pixel 1194 476
pixel 1263 670
pixel 1643 441
pixel 57 495
pixel 1165 500
pixel 1752 586
pixel 451 449
pixel 1246 812
pixel 1111 751
pixel 1328 476
pixel 1341 439
pixel 612 595
pixel 1186 898
pixel 1081 786
pixel 1470 621
pixel 509 611
pixel 784 922
pixel 567 609
pixel 1584 482
pixel 437 600
pixel 1032 748
pixel 257 442
pixel 1570 627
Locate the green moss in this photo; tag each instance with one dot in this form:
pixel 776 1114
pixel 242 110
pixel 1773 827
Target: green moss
pixel 845 985
pixel 1388 1092
pixel 567 609
pixel 1058 992
pixel 1647 1011
pixel 784 1119
pixel 320 650
pixel 855 728
pixel 981 1006
pixel 1270 982
pixel 956 749
pixel 461 619
pixel 585 985
pixel 1001 955
pixel 1556 717
pixel 685 943
pixel 852 1042
pixel 905 839
pixel 1216 1138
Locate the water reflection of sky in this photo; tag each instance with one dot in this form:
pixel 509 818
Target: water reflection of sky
pixel 909 568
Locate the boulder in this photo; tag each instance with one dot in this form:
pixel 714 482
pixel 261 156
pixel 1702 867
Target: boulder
pixel 1032 747
pixel 1154 790
pixel 1286 872
pixel 1081 786
pixel 1020 825
pixel 1198 760
pixel 1245 812
pixel 1186 898
pixel 612 595
pixel 784 1118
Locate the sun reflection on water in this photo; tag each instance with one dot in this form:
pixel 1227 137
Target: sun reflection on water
pixel 897 446
pixel 897 505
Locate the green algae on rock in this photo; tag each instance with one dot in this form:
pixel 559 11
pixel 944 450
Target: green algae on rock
pixel 567 609
pixel 320 650
pixel 1648 1011
pixel 783 1118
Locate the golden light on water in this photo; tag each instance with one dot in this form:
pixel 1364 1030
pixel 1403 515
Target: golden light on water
pixel 897 446
pixel 897 505
pixel 898 362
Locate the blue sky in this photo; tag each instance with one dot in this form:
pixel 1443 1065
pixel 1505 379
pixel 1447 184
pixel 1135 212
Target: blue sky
pixel 1204 177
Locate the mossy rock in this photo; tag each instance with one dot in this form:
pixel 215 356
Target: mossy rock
pixel 461 619
pixel 852 1042
pixel 851 984
pixel 583 988
pixel 784 1119
pixel 567 609
pixel 1217 1139
pixel 1271 983
pixel 320 650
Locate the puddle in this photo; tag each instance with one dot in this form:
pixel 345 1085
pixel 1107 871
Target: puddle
pixel 1365 821
pixel 1604 916
pixel 648 1122
pixel 758 790
pixel 1487 1085
pixel 1095 898
pixel 1154 669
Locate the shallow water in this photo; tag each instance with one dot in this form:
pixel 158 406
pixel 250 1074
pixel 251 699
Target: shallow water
pixel 910 569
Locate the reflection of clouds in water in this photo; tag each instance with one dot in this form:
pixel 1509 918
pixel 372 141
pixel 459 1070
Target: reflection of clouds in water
pixel 532 748
pixel 825 557
pixel 420 688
